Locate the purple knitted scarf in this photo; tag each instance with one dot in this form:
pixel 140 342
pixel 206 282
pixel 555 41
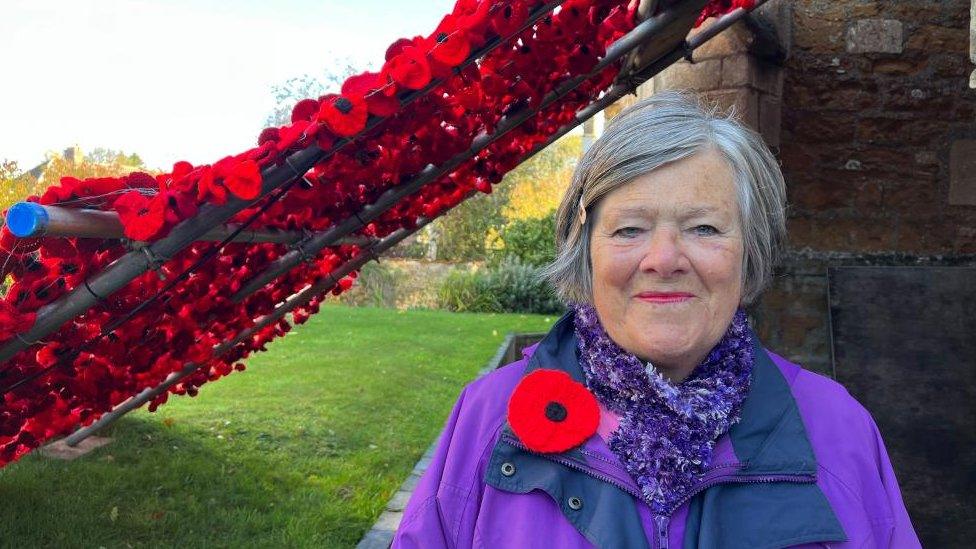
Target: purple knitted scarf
pixel 666 432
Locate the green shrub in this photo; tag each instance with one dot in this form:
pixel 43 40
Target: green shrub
pixel 510 286
pixel 376 286
pixel 465 291
pixel 532 241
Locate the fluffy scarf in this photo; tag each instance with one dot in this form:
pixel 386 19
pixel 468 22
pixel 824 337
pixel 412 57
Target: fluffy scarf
pixel 666 432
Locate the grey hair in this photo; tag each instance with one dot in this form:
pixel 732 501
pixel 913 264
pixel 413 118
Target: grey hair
pixel 663 128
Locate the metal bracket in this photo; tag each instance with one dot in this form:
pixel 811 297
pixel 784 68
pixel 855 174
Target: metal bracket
pixel 689 51
pixel 155 262
pixel 299 246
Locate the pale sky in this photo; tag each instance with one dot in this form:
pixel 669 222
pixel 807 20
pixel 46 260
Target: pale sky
pixel 175 79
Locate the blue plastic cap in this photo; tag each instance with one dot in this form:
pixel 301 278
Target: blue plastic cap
pixel 26 219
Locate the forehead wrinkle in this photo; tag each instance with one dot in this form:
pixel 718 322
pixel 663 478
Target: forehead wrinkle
pixel 684 211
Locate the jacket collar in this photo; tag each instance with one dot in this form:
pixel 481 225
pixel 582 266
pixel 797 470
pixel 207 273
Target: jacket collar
pixel 770 437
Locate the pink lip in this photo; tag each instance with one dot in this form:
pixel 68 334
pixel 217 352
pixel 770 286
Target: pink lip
pixel 664 297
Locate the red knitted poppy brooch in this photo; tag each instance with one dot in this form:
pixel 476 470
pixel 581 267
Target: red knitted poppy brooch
pixel 550 412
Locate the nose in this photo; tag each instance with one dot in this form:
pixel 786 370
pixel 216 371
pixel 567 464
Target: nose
pixel 664 254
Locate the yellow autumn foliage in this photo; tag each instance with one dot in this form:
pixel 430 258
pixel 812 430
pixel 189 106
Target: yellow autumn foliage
pixel 538 185
pixel 16 184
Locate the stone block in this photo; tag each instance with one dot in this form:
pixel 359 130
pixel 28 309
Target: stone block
pixel 738 38
pixel 770 119
pixel 738 70
pixel 937 39
pixel 700 76
pixel 388 521
pixel 875 36
pixel 376 539
pixel 411 482
pixel 817 35
pixel 822 127
pixel 743 102
pixel 962 173
pixel 399 501
pixel 767 77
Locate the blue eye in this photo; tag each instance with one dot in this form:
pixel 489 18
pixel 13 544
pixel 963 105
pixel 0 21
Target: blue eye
pixel 705 230
pixel 627 232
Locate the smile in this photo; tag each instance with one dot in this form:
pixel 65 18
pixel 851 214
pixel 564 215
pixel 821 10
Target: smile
pixel 664 297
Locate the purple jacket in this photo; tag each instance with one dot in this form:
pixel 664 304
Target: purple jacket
pixel 805 466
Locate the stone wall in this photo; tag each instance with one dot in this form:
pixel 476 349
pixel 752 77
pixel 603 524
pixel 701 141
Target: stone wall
pixel 868 106
pixel 878 127
pixel 878 120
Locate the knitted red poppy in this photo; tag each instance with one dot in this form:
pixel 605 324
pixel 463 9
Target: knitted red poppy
pixel 449 48
pixel 13 321
pixel 370 86
pixel 343 115
pixel 550 412
pixel 244 180
pixel 11 245
pixel 472 16
pixel 409 68
pixel 142 216
pixel 267 134
pixel 508 19
pixel 304 110
pixel 209 189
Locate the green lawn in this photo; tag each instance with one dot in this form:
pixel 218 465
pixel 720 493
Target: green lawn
pixel 303 449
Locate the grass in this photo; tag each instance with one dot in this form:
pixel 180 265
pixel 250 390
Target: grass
pixel 303 449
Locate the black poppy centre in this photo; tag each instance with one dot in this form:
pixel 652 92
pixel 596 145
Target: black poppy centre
pixel 343 105
pixel 555 411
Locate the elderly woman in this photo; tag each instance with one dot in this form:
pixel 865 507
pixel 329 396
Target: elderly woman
pixel 650 415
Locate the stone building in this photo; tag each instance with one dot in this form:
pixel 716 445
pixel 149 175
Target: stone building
pixel 869 108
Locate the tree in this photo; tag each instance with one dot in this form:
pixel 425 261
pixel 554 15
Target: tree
pixel 59 166
pixel 538 185
pixel 15 184
pixel 522 205
pixel 102 155
pixel 306 86
pixel 464 233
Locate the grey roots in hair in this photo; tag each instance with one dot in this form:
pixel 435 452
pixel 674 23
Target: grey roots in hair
pixel 665 128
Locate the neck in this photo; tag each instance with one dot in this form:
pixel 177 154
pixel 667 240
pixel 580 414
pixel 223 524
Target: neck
pixel 675 371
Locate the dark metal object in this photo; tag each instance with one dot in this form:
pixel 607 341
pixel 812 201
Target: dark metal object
pixel 904 345
pixel 87 223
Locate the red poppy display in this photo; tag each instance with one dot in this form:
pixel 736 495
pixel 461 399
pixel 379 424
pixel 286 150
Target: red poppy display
pixel 550 412
pixel 54 392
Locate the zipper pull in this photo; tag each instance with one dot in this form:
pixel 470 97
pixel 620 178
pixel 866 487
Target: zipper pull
pixel 662 532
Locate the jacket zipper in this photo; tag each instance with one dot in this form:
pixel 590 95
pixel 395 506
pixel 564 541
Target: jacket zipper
pixel 663 521
pixel 744 479
pixel 575 465
pixel 660 540
pixel 662 530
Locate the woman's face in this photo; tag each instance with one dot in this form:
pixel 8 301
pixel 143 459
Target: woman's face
pixel 666 251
